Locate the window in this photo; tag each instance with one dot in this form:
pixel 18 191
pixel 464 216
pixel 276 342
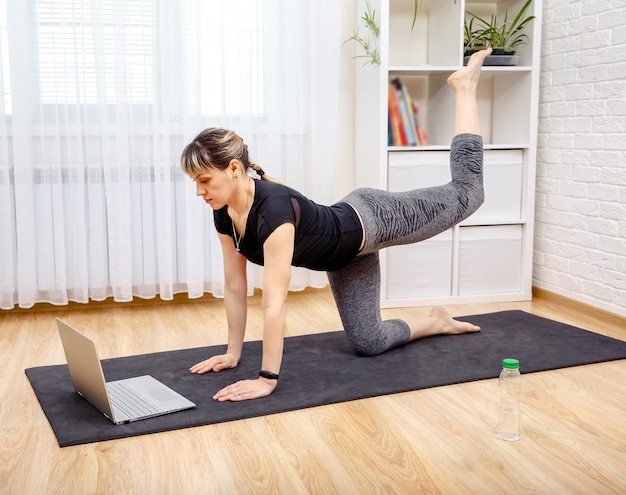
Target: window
pixel 129 52
pixel 95 52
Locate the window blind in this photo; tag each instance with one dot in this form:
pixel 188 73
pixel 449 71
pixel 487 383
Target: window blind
pixel 95 52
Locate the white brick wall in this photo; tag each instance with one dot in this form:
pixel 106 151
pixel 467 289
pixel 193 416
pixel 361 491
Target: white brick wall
pixel 580 234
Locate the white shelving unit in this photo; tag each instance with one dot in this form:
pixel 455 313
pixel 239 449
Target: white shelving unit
pixel 488 257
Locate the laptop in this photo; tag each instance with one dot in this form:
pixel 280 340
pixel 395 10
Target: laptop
pixel 122 401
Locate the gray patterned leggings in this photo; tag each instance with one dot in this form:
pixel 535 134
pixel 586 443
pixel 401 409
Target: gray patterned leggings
pixel 392 219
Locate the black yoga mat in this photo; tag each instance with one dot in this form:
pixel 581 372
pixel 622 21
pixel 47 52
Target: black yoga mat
pixel 322 369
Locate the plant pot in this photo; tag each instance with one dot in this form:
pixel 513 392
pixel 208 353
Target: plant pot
pixel 502 52
pixel 498 56
pixel 470 51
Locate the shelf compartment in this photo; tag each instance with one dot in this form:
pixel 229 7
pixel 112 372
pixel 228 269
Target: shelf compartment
pixel 420 270
pixel 486 8
pixel 490 260
pixel 503 100
pixel 502 172
pixel 437 36
pixel 418 169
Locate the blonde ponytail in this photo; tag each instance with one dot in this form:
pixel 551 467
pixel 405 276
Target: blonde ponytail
pixel 261 173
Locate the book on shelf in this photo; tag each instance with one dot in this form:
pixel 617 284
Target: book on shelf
pixel 421 135
pixel 395 119
pixel 406 112
pixel 404 126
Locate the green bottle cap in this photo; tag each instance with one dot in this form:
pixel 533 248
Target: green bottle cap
pixel 510 364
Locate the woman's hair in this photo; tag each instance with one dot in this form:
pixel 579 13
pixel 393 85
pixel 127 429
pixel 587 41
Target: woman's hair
pixel 215 148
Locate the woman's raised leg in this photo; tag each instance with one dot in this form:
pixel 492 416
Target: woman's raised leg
pixel 410 217
pixel 464 82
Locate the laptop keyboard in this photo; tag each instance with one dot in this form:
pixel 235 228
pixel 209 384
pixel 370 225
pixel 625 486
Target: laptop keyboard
pixel 128 402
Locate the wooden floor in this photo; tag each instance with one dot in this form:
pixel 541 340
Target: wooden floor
pixel 430 441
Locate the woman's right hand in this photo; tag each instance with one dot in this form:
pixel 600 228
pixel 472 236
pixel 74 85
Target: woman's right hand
pixel 215 363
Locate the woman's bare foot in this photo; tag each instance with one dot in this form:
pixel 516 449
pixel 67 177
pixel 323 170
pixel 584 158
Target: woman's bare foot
pixel 467 77
pixel 439 322
pixel 451 326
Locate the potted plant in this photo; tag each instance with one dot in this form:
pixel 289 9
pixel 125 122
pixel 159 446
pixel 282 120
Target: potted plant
pixel 473 40
pixel 502 36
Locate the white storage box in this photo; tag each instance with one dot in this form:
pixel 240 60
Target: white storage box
pixel 418 169
pixel 420 270
pixel 502 175
pixel 490 260
pixel 502 179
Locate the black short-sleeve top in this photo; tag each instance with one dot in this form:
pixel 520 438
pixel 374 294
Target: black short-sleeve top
pixel 326 237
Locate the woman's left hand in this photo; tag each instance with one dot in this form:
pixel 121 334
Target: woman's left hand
pixel 246 389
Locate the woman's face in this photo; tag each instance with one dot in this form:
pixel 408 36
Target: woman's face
pixel 215 186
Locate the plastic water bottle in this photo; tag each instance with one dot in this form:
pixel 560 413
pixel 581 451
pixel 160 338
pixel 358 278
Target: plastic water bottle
pixel 510 385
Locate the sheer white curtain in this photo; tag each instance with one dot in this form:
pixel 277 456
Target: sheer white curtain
pixel 100 97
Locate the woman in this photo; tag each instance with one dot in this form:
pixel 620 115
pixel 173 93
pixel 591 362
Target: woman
pixel 275 226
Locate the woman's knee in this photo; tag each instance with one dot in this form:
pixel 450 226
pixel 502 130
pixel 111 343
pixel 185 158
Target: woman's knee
pixel 366 349
pixel 476 196
pixel 374 339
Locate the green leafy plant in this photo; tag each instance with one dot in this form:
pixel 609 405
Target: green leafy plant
pixel 473 39
pixel 369 42
pixel 503 36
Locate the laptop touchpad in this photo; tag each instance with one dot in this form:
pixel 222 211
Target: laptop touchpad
pixel 162 394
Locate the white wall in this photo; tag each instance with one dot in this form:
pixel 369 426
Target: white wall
pixel 580 239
